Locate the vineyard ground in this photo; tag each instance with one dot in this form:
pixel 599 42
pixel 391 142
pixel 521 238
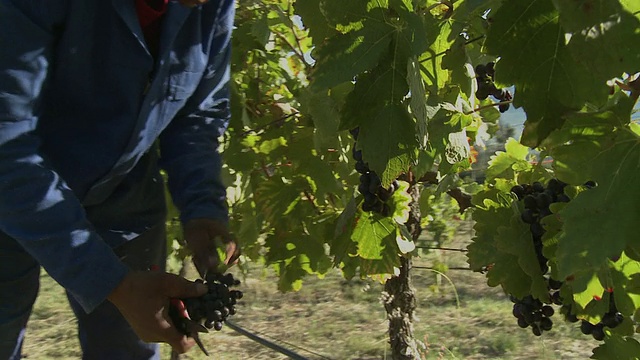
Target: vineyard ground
pixel 344 320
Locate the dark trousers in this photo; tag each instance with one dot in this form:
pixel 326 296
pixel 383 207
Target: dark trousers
pixel 103 334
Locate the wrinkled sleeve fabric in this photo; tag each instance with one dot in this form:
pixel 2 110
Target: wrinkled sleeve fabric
pixel 37 208
pixel 189 145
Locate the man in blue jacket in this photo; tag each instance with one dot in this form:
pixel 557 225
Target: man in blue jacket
pixel 95 98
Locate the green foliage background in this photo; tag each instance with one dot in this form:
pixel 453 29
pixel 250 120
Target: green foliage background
pixel 306 71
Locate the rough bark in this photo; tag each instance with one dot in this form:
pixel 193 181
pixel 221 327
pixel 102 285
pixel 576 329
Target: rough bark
pixel 399 296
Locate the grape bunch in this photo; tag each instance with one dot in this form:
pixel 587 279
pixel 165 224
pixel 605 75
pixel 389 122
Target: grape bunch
pixel 375 195
pixel 532 312
pixel 484 77
pixel 611 319
pixel 536 200
pixel 213 308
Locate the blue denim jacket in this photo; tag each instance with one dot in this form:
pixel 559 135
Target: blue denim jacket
pixel 83 108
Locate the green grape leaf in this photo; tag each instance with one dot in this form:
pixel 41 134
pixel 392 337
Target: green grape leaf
pixel 614 165
pixel 384 267
pixel 276 199
pixel 489 215
pixel 384 85
pixel 341 244
pixel 320 175
pixel 404 240
pixel 313 21
pixel 324 112
pixel 260 29
pixel 399 202
pixel 372 234
pixel 503 164
pixel 602 25
pixel 345 15
pixel 435 76
pixel 617 347
pixel 585 288
pixel 518 270
pixel 390 155
pixel 267 146
pixel 548 79
pixel 622 281
pixel 418 102
pixel 344 56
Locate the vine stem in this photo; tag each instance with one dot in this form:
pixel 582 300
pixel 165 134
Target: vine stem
pixel 311 200
pixel 431 177
pixel 271 123
pixel 470 41
pixel 440 248
pixel 449 268
pixel 487 106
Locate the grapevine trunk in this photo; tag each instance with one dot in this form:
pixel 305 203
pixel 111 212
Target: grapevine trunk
pixel 399 297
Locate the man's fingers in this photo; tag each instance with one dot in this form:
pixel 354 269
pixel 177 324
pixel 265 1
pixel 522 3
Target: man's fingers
pixel 180 343
pixel 175 286
pixel 233 253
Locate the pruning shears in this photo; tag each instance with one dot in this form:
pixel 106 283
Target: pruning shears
pixel 181 320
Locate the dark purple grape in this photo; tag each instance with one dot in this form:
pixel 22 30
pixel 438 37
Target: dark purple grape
pixel 535 329
pixel 530 202
pixel 522 322
pixel 537 187
pixel 547 311
pixel 217 325
pixel 528 217
pixel 586 327
pixel 572 318
pixel 598 332
pixel 225 312
pixel 546 324
pixel 489 68
pixel 612 320
pixel 361 167
pixel 519 191
pixel 482 93
pixel 543 200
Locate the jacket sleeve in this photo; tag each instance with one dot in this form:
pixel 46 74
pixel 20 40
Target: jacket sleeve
pixel 189 145
pixel 37 208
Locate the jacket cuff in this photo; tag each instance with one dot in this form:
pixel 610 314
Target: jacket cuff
pixel 93 278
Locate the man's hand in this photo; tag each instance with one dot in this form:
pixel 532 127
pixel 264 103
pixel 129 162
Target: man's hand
pixel 205 237
pixel 143 299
